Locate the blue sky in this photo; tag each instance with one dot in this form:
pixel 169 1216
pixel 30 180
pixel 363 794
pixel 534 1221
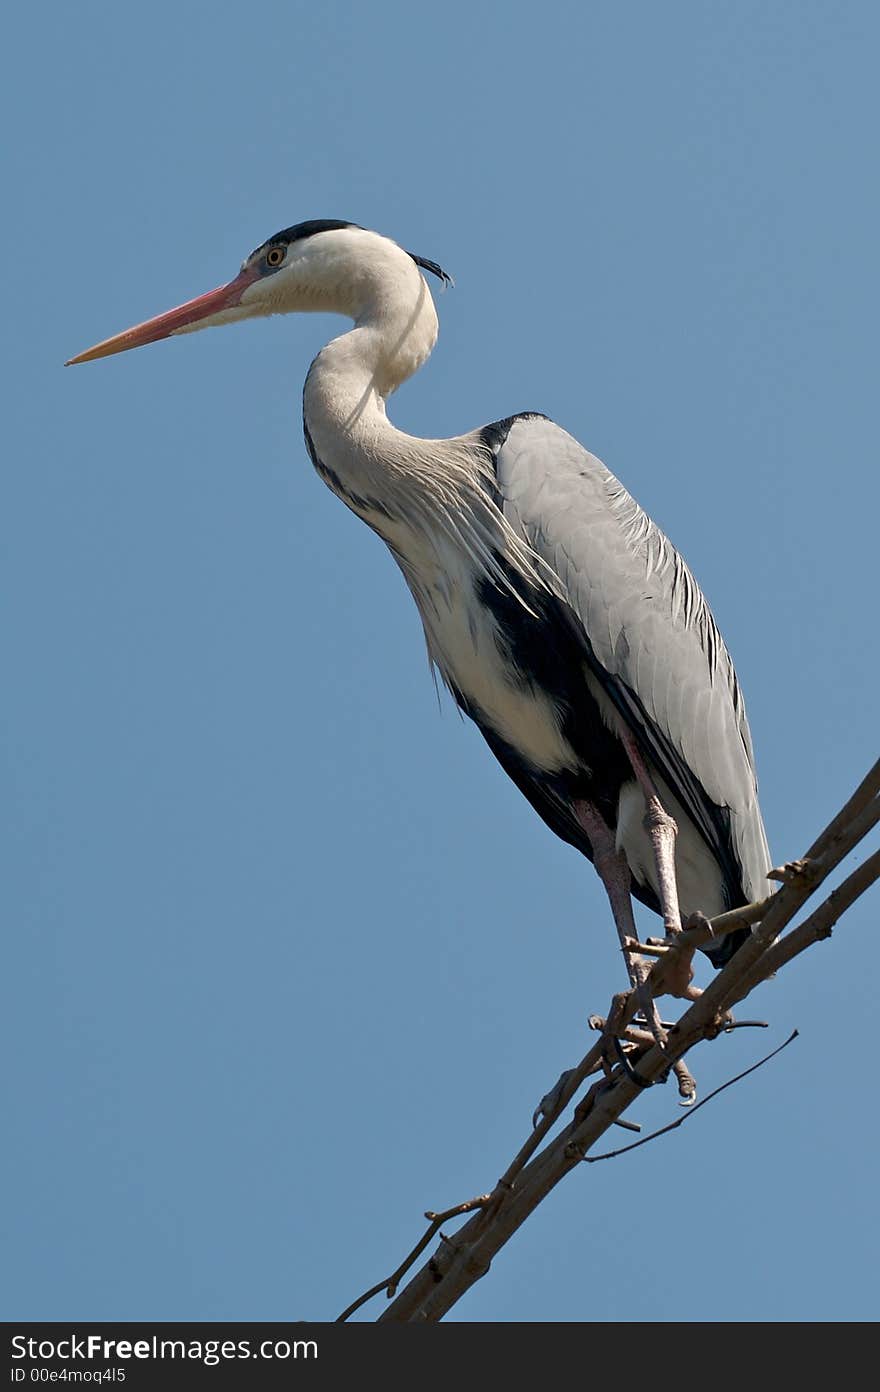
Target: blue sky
pixel 288 959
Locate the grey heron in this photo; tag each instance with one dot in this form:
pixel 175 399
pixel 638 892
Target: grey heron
pixel 562 620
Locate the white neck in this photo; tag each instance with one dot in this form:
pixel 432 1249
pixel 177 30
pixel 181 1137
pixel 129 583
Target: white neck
pixel 395 331
pixel 363 455
pixel 431 500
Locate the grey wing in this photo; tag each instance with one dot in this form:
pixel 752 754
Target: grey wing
pixel 655 647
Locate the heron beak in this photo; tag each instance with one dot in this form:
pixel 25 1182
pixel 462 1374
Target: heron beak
pixel 185 316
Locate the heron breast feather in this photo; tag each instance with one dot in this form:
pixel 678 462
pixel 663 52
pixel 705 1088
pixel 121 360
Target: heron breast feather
pixel 469 649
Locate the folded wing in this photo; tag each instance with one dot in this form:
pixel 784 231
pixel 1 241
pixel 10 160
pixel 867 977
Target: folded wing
pixel 651 640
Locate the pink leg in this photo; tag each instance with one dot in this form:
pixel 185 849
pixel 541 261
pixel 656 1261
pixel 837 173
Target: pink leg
pixel 615 876
pixel 662 830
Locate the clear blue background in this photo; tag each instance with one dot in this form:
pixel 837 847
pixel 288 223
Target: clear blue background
pixel 287 959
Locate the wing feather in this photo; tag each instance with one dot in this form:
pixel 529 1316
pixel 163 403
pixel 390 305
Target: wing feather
pixel 652 641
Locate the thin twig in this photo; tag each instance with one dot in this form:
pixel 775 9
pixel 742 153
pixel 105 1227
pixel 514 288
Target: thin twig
pixel 685 1116
pixel 393 1281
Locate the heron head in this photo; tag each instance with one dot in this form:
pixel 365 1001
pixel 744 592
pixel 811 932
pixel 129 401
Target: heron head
pixel 323 265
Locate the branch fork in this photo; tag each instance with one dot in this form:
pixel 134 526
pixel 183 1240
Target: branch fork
pixel 643 1058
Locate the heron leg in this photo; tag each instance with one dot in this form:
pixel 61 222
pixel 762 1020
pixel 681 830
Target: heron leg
pixel 615 875
pixel 662 830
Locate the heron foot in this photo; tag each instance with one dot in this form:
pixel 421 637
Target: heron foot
pixel 677 972
pixel 687 1084
pixel 639 971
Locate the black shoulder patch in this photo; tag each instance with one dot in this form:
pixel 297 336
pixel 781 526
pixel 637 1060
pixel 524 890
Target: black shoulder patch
pixel 493 438
pixel 495 434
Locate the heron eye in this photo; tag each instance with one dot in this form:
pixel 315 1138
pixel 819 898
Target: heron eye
pixel 274 256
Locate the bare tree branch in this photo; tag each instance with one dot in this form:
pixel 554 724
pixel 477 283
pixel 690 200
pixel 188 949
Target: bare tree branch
pixel 628 1060
pixel 390 1284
